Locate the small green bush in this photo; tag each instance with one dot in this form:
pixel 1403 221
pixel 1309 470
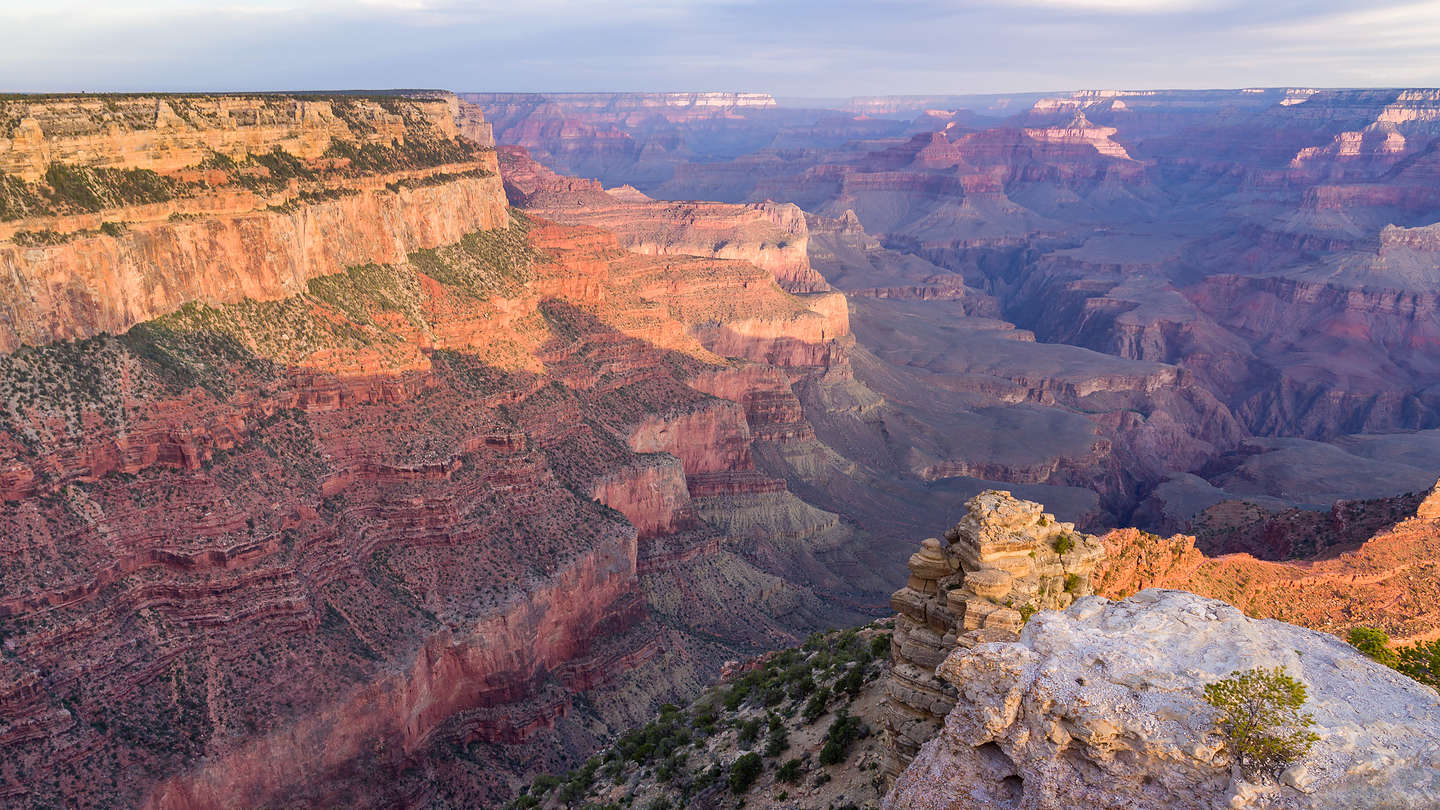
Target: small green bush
pixel 1418 661
pixel 776 743
pixel 744 771
pixel 816 705
pixel 1374 643
pixel 1261 718
pixel 749 731
pixel 1421 662
pixel 1072 583
pixel 789 773
pixel 880 646
pixel 844 730
pixel 1064 544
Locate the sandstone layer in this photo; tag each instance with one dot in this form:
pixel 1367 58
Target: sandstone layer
pixel 1390 580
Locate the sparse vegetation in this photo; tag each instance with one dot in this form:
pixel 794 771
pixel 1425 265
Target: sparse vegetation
pixel 744 772
pixel 1420 661
pixel 1064 544
pixel 1261 717
pixel 698 755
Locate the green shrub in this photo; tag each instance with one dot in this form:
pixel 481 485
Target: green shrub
pixel 1072 583
pixel 1261 718
pixel 1064 543
pixel 1421 662
pixel 749 731
pixel 776 743
pixel 744 771
pixel 880 646
pixel 844 730
pixel 789 773
pixel 816 705
pixel 1374 643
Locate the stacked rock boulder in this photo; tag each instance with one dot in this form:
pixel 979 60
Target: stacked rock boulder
pixel 1004 561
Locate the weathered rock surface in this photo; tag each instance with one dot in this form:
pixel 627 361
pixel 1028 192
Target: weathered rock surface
pixel 1102 706
pixel 1003 561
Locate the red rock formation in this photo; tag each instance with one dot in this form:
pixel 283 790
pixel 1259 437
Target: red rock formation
pixel 335 547
pixel 1391 581
pixel 766 235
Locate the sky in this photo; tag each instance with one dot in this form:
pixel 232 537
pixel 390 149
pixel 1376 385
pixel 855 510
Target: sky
pixel 808 48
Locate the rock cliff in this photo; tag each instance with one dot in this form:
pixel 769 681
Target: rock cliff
pixel 766 235
pixel 1005 560
pixel 119 211
pixel 355 488
pixel 1102 706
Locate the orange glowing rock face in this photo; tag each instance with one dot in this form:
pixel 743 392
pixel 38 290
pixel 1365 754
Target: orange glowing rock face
pixel 1388 580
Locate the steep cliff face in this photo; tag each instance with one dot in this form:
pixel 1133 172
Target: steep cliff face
pixel 171 132
pixel 120 211
pixel 103 283
pixel 1102 705
pixel 360 538
pixel 766 235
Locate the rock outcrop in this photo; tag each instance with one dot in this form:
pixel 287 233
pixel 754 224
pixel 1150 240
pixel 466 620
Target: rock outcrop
pixel 1102 706
pixel 170 132
pixel 1005 560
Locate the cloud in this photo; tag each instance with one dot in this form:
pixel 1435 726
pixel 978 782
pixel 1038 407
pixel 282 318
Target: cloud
pixel 797 47
pixel 1119 6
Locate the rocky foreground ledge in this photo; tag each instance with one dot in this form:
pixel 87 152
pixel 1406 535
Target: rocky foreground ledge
pixel 1102 706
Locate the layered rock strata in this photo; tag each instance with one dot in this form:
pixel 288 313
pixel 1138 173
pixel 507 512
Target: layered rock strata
pixel 1103 706
pixel 1004 561
pixel 392 535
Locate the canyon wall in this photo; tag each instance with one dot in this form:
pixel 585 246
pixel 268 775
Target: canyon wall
pixel 171 132
pixel 1389 580
pixel 378 493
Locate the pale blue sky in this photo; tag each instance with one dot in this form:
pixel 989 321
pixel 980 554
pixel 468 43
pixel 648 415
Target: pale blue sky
pixel 802 48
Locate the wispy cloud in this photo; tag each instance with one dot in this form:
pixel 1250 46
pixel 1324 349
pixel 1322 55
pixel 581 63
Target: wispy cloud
pixel 797 47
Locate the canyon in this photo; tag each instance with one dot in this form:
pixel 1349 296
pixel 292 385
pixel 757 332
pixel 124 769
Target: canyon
pixel 387 449
pixel 1250 272
pixel 358 486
